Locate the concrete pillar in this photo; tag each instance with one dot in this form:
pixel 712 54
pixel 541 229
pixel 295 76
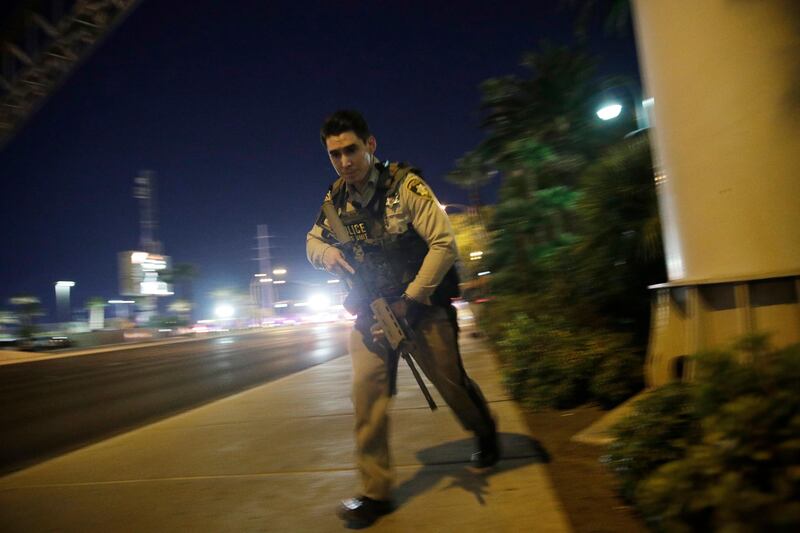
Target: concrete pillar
pixel 725 79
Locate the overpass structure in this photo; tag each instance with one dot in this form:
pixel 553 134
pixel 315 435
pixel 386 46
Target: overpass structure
pixel 41 43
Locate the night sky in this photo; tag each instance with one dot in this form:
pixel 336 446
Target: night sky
pixel 223 101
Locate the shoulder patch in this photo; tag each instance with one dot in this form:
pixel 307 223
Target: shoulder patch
pixel 418 187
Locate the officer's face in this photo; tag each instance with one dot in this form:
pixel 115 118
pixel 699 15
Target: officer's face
pixel 351 157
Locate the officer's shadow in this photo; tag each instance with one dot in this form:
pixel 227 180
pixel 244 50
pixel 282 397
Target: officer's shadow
pixel 450 461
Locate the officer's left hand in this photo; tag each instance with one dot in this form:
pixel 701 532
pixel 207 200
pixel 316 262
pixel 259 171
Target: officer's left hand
pixel 407 309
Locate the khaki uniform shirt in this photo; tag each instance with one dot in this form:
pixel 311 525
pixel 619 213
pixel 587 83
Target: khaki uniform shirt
pixel 415 204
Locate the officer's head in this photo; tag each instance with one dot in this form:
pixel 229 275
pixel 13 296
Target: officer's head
pixel 350 145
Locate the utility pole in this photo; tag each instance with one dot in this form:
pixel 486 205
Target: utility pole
pixel 263 280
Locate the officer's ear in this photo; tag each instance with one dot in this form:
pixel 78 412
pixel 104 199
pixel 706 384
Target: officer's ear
pixel 372 145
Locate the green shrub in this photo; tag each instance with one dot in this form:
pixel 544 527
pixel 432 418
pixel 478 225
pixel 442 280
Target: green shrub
pixel 662 425
pixel 495 316
pixel 730 460
pixel 739 474
pixel 620 371
pixel 548 362
pixel 559 377
pixel 544 363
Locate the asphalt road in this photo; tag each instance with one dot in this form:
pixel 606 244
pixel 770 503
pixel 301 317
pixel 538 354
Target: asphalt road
pixel 50 407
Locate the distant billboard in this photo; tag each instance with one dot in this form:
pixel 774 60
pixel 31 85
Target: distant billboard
pixel 139 274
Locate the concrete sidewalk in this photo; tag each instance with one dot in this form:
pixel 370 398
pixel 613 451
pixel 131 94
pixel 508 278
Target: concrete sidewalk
pixel 278 457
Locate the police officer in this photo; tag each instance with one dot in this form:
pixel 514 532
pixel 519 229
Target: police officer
pixel 391 207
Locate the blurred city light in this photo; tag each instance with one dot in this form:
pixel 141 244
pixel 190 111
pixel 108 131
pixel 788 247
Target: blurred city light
pixel 265 280
pixel 609 111
pixel 484 273
pixel 65 283
pixel 224 311
pixel 138 257
pixel 319 302
pixel 474 256
pixel 279 271
pixel 333 281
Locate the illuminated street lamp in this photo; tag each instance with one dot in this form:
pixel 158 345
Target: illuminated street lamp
pixel 609 111
pixel 62 300
pixel 463 207
pixel 319 302
pixel 224 311
pixel 612 109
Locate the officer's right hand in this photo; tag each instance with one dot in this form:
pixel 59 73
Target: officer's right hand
pixel 333 261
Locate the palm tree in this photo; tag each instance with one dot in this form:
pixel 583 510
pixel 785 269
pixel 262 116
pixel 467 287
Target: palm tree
pixel 544 126
pixel 472 171
pixel 615 13
pixel 620 251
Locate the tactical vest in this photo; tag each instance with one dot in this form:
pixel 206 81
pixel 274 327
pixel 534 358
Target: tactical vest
pixel 400 255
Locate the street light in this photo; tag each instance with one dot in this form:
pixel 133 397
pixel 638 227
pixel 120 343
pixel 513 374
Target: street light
pixel 463 207
pixel 224 311
pixel 609 111
pixel 612 109
pixel 279 271
pixel 62 300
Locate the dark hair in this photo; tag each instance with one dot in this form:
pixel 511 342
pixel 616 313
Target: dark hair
pixel 342 121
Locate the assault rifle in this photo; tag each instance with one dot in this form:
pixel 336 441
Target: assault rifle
pixel 366 283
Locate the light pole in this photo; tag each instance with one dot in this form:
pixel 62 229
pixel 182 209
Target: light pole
pixel 278 273
pixel 262 295
pixel 62 300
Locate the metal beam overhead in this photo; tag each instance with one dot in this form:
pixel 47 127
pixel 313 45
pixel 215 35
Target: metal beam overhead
pixel 50 40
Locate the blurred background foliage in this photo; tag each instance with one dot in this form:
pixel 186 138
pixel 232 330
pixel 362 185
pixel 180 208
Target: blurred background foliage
pixel 573 243
pixel 574 239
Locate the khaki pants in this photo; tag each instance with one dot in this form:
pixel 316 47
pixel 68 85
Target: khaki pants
pixel 438 357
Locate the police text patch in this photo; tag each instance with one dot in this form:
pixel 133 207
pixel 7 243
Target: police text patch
pixel 415 185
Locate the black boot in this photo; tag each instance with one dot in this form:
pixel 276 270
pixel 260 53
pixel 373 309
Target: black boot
pixel 487 451
pixel 362 511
